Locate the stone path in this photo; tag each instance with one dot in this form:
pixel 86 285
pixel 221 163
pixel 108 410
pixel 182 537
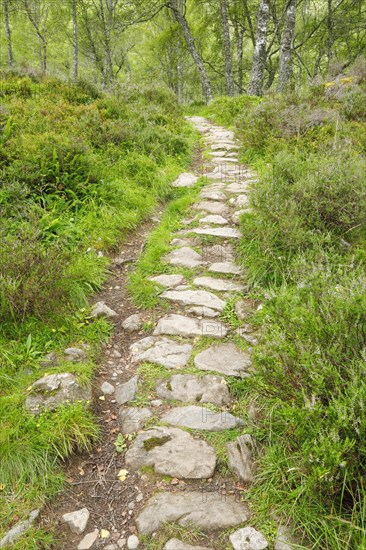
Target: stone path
pixel 193 337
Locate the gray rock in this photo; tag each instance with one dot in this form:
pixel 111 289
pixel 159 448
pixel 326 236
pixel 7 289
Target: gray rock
pixel 237 188
pixel 201 418
pixel 55 389
pixel 133 542
pixel 242 200
pixel 161 351
pixel 219 253
pixel 122 543
pixel 240 457
pixel 215 220
pixel 75 354
pixel 190 388
pixel 248 539
pixel 185 180
pixel 172 452
pixel 179 325
pixel 168 281
pixel 224 358
pixel 224 232
pixel 126 392
pixel 156 403
pixel 133 322
pixel 212 207
pixel 88 541
pixel 184 257
pixel 243 309
pixel 225 267
pixel 133 418
pixel 111 547
pixel 218 284
pixel 194 298
pixel 213 195
pixel 284 540
pixel 183 242
pixel 100 309
pixel 224 145
pixel 236 217
pixel 175 544
pixel 202 311
pixel 252 340
pixel 207 511
pixel 107 388
pixel 77 520
pixel 18 530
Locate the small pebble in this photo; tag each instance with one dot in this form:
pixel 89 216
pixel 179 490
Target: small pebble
pixel 132 542
pixel 122 543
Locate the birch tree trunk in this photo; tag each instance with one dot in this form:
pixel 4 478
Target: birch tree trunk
pixel 8 33
pixel 38 17
pixel 260 52
pixel 75 43
pixel 330 25
pixel 180 71
pixel 287 45
pixel 186 31
pixel 227 48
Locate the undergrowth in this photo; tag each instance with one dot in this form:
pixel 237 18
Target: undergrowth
pixel 80 170
pixel 303 249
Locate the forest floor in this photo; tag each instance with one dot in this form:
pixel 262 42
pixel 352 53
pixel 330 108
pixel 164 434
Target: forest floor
pixel 178 474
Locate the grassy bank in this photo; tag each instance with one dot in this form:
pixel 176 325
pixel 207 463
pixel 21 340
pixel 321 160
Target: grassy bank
pixel 79 170
pixel 303 247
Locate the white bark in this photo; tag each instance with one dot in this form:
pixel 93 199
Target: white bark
pixel 287 45
pixel 260 52
pixel 227 48
pixel 75 42
pixel 8 33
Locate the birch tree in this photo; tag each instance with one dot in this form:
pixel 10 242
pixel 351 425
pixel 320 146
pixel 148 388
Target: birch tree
pixel 287 45
pixel 191 45
pixel 37 12
pixel 75 41
pixel 227 48
pixel 8 32
pixel 260 52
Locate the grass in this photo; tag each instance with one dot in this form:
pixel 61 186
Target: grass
pixel 80 171
pixel 303 249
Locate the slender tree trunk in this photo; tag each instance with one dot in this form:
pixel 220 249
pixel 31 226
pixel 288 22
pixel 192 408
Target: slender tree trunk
pixel 42 53
pixel 260 53
pixel 75 42
pixel 227 48
pixel 8 33
pixel 186 31
pixel 240 58
pixel 180 70
pixel 330 39
pixel 287 45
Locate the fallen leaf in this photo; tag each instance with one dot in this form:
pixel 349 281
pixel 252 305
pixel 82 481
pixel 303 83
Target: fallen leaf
pixel 104 533
pixel 102 398
pixel 122 474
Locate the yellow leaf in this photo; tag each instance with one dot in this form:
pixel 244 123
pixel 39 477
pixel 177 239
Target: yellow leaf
pixel 122 474
pixel 104 533
pixel 2 486
pixel 102 398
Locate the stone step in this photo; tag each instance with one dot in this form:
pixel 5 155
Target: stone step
pixel 207 511
pixel 214 219
pixel 224 358
pixel 161 351
pixel 168 281
pixel 201 418
pixel 185 179
pixel 172 452
pixel 184 257
pixel 194 298
pixel 179 325
pixel 212 207
pixel 132 419
pixel 196 389
pixel 225 267
pixel 213 195
pixel 224 232
pixel 221 285
pixel 176 544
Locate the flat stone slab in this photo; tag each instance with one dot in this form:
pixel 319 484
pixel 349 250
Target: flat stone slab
pixel 179 325
pixel 225 232
pixel 224 358
pixel 230 268
pixel 208 511
pixel 248 539
pixel 184 257
pixel 213 196
pixel 176 544
pixel 100 309
pixel 194 298
pixel 172 452
pixel 240 457
pixel 242 200
pixel 202 311
pixel 224 146
pixel 214 219
pixel 132 419
pixel 18 530
pixel 185 180
pixel 218 253
pixel 212 207
pixel 126 392
pixel 221 285
pixel 237 188
pixel 189 388
pixel 168 281
pixel 53 390
pixel 161 351
pixel 201 418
